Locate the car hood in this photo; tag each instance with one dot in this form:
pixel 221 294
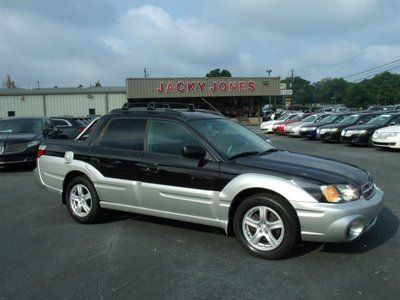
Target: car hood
pixel 317 124
pixel 337 125
pixel 295 124
pixel 394 128
pixel 365 126
pixel 324 171
pixel 12 138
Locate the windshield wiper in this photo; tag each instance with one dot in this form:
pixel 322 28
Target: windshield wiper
pixel 248 153
pixel 268 151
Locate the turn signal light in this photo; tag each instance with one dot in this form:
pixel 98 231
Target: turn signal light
pixel 40 151
pixel 331 194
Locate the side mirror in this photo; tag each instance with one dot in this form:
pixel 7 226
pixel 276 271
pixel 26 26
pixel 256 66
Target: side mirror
pixel 195 152
pixel 360 122
pixel 392 123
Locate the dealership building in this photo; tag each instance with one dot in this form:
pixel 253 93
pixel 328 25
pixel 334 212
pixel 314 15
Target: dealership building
pixel 234 97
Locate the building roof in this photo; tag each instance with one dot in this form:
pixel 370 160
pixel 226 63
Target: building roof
pixel 58 91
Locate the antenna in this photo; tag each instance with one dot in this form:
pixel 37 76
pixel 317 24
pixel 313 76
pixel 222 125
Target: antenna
pixel 211 106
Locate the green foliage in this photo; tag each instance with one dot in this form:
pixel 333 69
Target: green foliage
pixel 97 84
pixel 8 83
pixel 383 89
pixel 219 73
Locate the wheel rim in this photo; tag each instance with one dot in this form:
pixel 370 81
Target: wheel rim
pixel 263 228
pixel 80 200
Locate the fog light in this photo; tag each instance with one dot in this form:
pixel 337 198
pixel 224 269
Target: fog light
pixel 355 229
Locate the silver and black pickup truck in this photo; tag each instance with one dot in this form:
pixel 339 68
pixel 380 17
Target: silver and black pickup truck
pixel 196 166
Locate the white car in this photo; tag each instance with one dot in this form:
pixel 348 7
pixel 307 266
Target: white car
pixel 268 126
pixel 387 137
pixel 293 129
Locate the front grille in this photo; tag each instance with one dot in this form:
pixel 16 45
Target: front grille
pixel 368 190
pixel 15 148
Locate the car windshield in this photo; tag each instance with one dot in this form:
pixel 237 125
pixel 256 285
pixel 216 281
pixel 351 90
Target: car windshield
pixel 295 117
pixel 283 117
pixel 330 118
pixel 322 118
pixel 380 120
pixel 350 119
pixel 311 118
pixel 231 139
pixel 25 125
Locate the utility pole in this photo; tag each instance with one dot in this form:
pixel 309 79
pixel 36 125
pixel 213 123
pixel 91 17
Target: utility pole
pixel 292 87
pixel 269 97
pixel 145 73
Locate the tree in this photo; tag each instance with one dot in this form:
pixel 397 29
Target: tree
pixel 219 73
pixel 97 84
pixel 9 83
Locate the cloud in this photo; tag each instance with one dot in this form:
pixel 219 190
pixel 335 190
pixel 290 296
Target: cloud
pixel 68 43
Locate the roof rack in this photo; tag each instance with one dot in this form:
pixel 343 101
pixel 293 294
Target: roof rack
pixel 154 105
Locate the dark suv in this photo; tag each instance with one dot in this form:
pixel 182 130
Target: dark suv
pixel 70 127
pixel 196 166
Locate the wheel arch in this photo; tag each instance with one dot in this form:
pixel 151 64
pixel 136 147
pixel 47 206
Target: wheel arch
pixel 242 196
pixel 71 175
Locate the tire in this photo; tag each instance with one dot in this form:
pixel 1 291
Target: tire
pixel 269 243
pixel 82 200
pixel 370 144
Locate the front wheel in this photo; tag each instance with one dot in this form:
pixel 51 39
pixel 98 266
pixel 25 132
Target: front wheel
pixel 267 226
pixel 82 200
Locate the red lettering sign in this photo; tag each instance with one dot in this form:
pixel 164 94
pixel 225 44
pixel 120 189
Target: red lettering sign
pixel 200 86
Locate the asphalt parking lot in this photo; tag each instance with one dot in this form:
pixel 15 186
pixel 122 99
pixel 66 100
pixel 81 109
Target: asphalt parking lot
pixel 46 255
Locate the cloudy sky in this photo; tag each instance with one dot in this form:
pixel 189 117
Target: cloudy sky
pixel 67 43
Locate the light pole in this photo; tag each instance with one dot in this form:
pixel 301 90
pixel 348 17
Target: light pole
pixel 269 97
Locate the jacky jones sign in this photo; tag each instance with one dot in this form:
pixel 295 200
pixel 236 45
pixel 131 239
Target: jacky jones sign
pixel 168 87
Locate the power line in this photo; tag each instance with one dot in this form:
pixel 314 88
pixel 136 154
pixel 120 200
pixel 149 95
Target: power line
pixel 377 73
pixel 378 67
pixel 392 36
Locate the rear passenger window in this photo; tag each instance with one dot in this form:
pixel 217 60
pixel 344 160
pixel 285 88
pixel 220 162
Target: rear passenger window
pixel 125 134
pixel 168 138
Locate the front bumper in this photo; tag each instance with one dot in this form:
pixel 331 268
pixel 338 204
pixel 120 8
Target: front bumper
pixel 17 159
pixel 310 134
pixel 329 136
pixel 356 139
pixel 390 142
pixel 328 222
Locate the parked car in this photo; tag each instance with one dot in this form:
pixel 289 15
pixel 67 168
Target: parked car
pixel 20 138
pixel 310 130
pixel 70 127
pixel 293 129
pixel 387 137
pixel 332 132
pixel 195 166
pixel 362 134
pixel 279 128
pixel 267 127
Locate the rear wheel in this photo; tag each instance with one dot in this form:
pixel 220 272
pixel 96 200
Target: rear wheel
pixel 82 200
pixel 267 226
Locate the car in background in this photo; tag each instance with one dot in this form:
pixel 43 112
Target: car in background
pixel 70 127
pixel 267 127
pixel 90 118
pixel 20 138
pixel 293 129
pixel 309 131
pixel 279 128
pixel 387 137
pixel 332 132
pixel 362 134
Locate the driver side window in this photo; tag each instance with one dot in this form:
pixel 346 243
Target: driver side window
pixel 167 137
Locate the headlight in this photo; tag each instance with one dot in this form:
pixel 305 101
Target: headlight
pixel 375 135
pixel 343 133
pixel 340 193
pixel 318 130
pixel 388 134
pixel 332 129
pixel 312 128
pixel 33 143
pixel 361 132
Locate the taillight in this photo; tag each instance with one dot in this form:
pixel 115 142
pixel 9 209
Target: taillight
pixel 80 129
pixel 40 151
